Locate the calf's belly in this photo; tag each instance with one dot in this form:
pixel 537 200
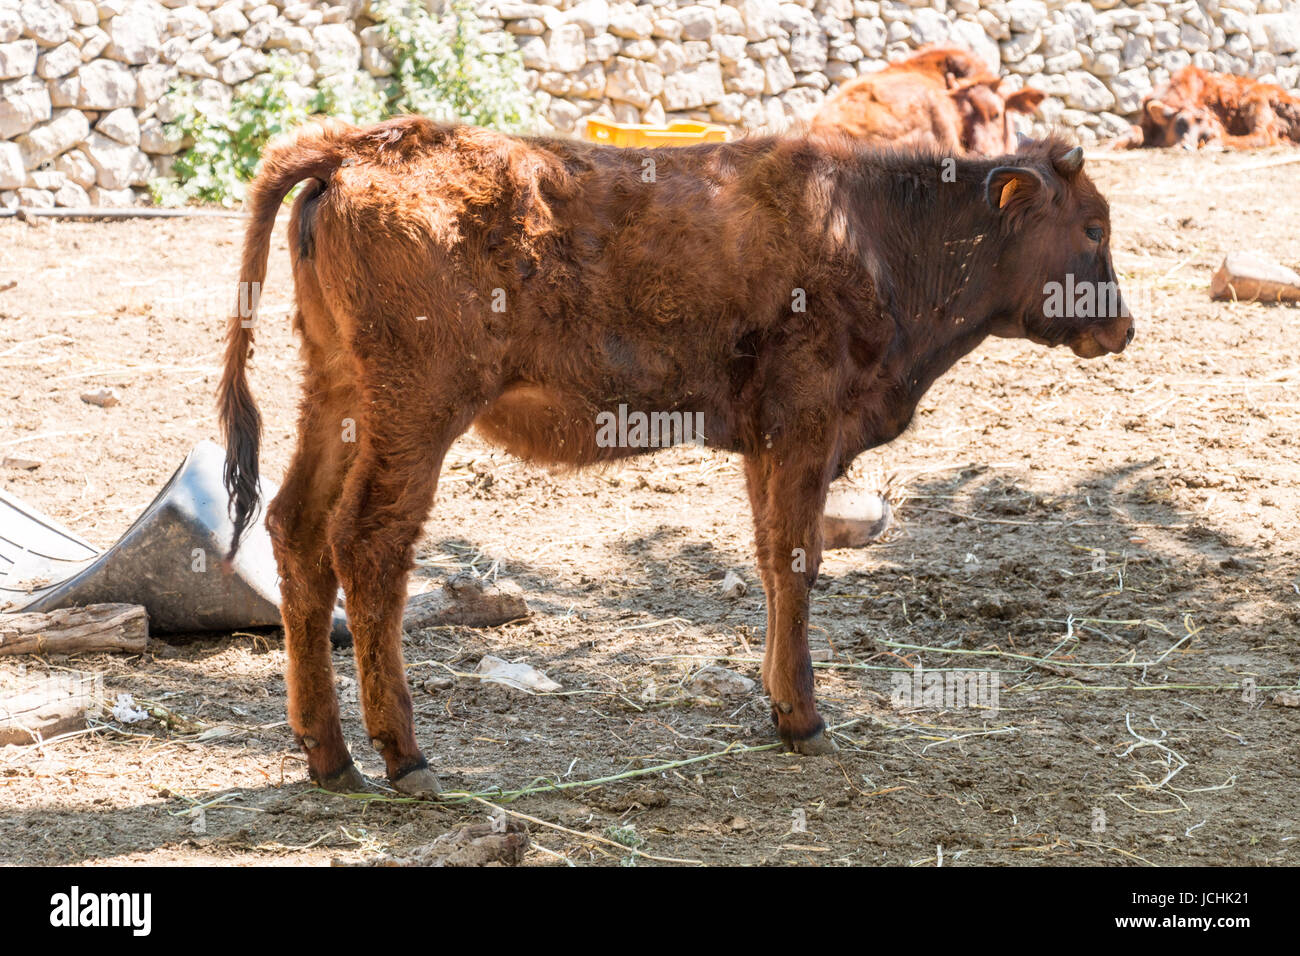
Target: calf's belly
pixel 560 427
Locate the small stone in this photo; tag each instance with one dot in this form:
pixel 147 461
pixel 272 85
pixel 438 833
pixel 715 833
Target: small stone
pixel 94 42
pixel 111 198
pixel 1088 93
pixel 45 21
pixel 698 22
pixel 526 27
pixel 133 36
pixel 854 518
pixel 667 29
pixel 19 462
pixel 337 49
pixel 590 16
pixel 196 64
pixel 155 139
pixel 117 165
pixel 228 19
pixel 11 25
pixel 718 682
pixel 47 179
pixel 71 196
pixel 521 676
pixel 18 59
pixel 929 26
pixel 77 168
pixel 60 61
pixel 105 85
pixel 1026 15
pixel 65 130
pixel 152 83
pixel 121 126
pixel 12 170
pixel 1278 32
pixel 733 585
pixel 632 25
pixel 375 61
pixel 567 50
pixel 103 397
pixel 23 103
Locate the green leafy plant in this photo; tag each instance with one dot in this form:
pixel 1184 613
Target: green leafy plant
pixel 450 70
pixel 628 837
pixel 444 67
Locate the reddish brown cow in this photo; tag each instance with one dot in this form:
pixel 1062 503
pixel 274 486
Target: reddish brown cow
pixel 1196 109
pixel 942 97
pixel 797 296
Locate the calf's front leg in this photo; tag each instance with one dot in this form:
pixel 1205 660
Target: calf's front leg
pixel 792 491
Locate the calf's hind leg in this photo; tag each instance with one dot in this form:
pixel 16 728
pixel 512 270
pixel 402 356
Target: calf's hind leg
pixel 756 485
pixel 296 520
pixel 386 498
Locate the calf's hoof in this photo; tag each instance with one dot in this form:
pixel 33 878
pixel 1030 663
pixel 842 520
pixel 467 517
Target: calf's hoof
pixel 419 783
pixel 807 736
pixel 819 743
pixel 347 780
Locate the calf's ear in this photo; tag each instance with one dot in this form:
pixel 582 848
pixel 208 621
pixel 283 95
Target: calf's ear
pixel 1025 100
pixel 1160 112
pixel 1009 185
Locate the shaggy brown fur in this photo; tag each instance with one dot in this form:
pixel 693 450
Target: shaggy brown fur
pixel 943 98
pixel 801 295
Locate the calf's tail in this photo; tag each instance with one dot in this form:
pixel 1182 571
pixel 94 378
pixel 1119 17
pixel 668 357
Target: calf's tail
pixel 313 153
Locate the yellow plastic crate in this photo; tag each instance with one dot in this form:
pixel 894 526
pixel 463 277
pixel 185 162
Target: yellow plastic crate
pixel 640 134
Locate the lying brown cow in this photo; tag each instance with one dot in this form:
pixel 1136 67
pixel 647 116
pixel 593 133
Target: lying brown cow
pixel 1196 109
pixel 797 297
pixel 942 97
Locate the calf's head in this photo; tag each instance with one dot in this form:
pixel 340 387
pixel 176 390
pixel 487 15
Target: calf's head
pixel 1054 281
pixel 1186 128
pixel 987 124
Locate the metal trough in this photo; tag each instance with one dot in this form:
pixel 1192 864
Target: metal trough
pixel 169 560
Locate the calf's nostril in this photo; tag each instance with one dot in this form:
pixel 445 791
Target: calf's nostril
pixel 1128 336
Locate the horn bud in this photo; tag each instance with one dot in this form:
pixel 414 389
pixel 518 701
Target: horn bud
pixel 1070 163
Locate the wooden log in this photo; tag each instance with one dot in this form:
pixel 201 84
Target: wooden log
pixel 1246 277
pixel 53 706
pixel 19 462
pixel 465 600
pixel 76 630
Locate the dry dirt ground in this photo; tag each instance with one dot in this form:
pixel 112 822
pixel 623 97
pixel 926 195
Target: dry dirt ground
pixel 1138 741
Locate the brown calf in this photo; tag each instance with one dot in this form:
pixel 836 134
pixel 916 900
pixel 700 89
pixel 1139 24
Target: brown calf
pixel 800 295
pixel 943 98
pixel 1196 109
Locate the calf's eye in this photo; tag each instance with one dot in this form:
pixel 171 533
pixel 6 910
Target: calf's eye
pixel 1094 233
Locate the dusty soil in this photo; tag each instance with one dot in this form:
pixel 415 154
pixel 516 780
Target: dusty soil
pixel 1178 459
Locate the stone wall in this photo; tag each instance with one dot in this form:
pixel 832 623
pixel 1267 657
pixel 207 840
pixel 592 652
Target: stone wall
pixel 763 63
pixel 83 83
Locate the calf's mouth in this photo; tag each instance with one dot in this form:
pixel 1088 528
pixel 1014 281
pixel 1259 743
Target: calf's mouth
pixel 1102 339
